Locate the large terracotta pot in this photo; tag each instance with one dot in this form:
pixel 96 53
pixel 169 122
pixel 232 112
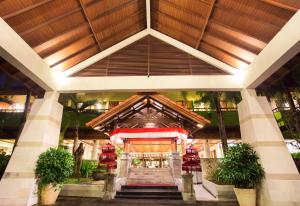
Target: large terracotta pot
pixel 49 194
pixel 245 197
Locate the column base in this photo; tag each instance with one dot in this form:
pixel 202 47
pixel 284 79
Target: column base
pixel 109 187
pixel 188 192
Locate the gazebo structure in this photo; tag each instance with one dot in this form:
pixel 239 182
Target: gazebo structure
pixel 86 46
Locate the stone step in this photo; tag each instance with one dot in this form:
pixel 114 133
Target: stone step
pixel 153 187
pixel 156 197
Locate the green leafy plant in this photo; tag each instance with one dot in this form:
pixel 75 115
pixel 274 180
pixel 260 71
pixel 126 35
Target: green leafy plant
pixel 87 167
pixel 54 167
pixel 240 167
pixel 3 163
pixel 296 155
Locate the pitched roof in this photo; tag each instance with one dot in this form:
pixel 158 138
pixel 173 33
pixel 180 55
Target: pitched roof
pixel 140 101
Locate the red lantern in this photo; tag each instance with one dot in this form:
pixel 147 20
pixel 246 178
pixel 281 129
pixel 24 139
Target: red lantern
pixel 191 160
pixel 108 156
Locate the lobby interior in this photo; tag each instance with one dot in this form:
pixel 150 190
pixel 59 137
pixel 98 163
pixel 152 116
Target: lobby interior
pixel 94 71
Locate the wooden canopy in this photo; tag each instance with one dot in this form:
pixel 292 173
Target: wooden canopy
pixel 65 33
pixel 143 105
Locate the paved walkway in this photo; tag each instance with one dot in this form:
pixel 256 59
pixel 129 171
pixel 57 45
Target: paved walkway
pixel 72 201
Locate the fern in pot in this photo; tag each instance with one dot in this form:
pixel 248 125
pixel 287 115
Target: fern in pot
pixel 240 167
pixel 53 168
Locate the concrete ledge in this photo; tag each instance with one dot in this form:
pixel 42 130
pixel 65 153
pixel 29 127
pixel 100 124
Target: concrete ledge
pixel 83 190
pixel 221 192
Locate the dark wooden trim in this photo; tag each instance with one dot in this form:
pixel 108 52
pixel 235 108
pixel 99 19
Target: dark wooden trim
pixel 90 24
pixel 210 12
pixel 106 13
pixel 281 5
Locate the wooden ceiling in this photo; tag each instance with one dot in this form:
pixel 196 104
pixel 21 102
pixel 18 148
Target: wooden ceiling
pixel 65 33
pixel 149 57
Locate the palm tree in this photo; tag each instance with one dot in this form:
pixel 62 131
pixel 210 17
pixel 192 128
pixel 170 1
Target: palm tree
pixel 213 99
pixel 77 106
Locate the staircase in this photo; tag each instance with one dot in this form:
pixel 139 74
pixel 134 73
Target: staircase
pixel 149 183
pixel 149 192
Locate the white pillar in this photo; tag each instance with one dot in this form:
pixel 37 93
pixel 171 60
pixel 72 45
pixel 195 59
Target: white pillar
pixel 206 149
pixel 259 128
pixel 41 131
pixel 95 150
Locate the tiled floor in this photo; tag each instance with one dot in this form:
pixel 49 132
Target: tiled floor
pixel 202 194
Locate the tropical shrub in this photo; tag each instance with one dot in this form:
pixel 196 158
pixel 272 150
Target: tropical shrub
pixel 240 167
pixel 296 155
pixel 3 163
pixel 87 167
pixel 54 167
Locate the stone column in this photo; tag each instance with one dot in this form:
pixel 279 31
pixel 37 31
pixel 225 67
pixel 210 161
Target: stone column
pixel 175 164
pixel 206 149
pixel 188 192
pixel 124 165
pixel 95 150
pixel 110 187
pixel 41 131
pixel 259 128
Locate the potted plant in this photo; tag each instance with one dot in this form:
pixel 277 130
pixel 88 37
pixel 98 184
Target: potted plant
pixel 241 168
pixel 52 169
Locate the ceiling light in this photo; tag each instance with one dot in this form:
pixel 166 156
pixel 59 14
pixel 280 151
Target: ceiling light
pixel 200 125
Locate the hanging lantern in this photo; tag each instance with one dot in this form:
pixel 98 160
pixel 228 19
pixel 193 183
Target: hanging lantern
pixel 191 160
pixel 108 156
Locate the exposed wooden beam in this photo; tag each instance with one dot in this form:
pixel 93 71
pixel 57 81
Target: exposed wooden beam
pixel 109 12
pixel 290 5
pixel 26 9
pixel 237 34
pixel 241 14
pixel 185 23
pixel 120 21
pixel 229 47
pixel 49 21
pixel 67 51
pixel 186 33
pixel 210 12
pixel 90 24
pixel 61 37
pixel 188 11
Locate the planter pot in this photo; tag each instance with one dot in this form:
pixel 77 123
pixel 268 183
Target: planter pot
pixel 49 194
pixel 98 176
pixel 245 197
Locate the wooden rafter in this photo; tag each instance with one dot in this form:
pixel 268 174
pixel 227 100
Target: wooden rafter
pixel 210 11
pixel 185 23
pixel 59 38
pixel 237 34
pixel 290 5
pixel 177 7
pixel 49 21
pixel 90 24
pixel 26 9
pixel 109 12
